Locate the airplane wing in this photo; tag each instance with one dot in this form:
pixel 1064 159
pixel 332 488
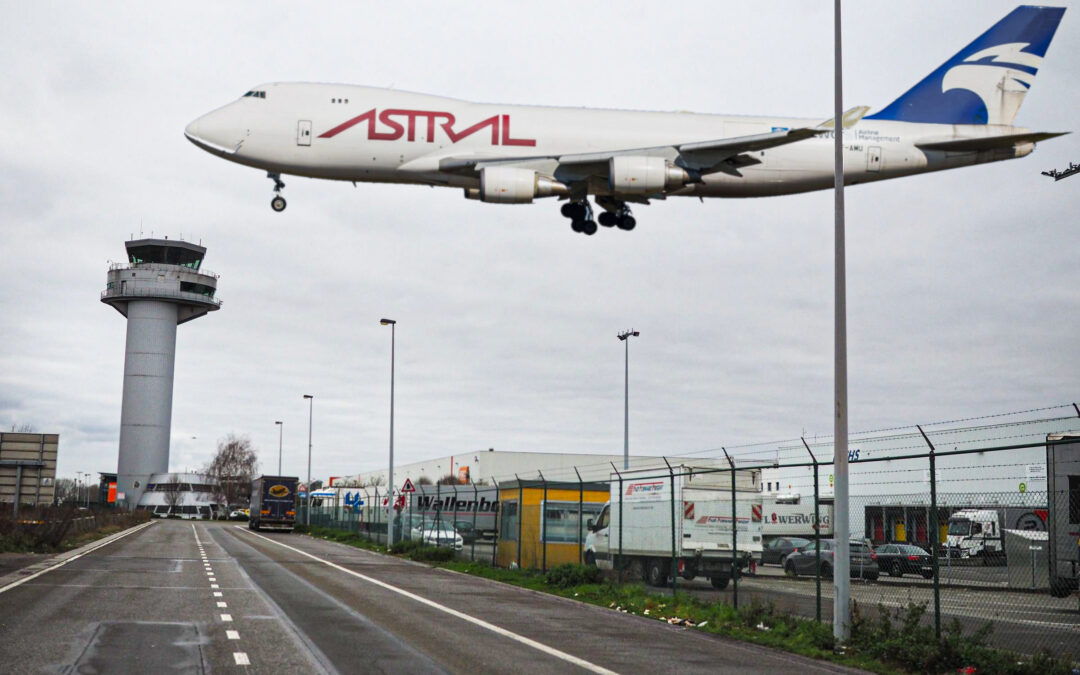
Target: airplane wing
pixel 726 155
pixel 986 142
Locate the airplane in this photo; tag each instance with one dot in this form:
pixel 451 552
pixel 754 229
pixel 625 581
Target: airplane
pixel 959 115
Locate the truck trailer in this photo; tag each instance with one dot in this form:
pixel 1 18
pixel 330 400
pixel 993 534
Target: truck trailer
pixel 1063 493
pixel 273 503
pixel 646 528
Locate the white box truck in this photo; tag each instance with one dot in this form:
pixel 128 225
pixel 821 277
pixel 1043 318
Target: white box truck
pixel 702 533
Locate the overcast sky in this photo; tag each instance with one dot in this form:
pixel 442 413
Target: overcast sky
pixel 963 286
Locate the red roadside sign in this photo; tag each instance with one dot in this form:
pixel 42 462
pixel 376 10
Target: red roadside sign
pixel 408 486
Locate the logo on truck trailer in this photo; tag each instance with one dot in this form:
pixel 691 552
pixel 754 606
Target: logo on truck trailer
pixel 279 491
pixel 649 490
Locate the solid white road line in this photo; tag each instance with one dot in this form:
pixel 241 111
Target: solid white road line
pixel 539 646
pixel 60 564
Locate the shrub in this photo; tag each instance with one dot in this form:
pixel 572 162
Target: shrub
pixel 431 554
pixel 569 574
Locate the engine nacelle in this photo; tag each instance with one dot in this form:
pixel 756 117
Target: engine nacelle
pixel 644 175
pixel 512 185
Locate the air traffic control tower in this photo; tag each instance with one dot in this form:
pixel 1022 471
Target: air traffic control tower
pixel 160 287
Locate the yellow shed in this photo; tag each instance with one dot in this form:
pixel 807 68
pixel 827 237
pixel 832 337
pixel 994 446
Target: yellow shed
pixel 543 524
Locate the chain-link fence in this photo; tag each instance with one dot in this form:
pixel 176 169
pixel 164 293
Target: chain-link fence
pixel 977 523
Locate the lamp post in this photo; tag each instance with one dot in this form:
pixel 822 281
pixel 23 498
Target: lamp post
pixel 625 338
pixel 390 479
pixel 311 404
pixel 281 433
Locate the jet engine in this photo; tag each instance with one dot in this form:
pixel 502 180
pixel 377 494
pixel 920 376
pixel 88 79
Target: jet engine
pixel 512 185
pixel 643 175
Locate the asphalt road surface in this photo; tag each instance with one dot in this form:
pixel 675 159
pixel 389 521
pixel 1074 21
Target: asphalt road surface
pixel 174 596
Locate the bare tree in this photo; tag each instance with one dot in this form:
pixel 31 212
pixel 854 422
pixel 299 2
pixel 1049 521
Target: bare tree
pixel 22 428
pixel 174 498
pixel 66 490
pixel 375 481
pixel 449 479
pixel 424 480
pixel 233 467
pixel 316 485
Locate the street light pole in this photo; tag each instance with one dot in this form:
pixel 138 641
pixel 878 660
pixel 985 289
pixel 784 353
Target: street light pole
pixel 625 338
pixel 311 405
pixel 841 528
pixel 281 433
pixel 390 479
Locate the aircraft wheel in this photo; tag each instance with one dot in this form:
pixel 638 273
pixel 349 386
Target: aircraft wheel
pixel 589 227
pixel 567 210
pixel 576 225
pixel 278 204
pixel 627 223
pixel 607 219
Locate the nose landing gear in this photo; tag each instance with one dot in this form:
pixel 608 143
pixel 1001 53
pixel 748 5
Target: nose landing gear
pixel 278 202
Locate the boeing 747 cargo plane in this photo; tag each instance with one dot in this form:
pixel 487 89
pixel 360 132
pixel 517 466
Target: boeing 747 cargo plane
pixel 959 115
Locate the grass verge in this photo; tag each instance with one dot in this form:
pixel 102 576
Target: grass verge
pixel 889 641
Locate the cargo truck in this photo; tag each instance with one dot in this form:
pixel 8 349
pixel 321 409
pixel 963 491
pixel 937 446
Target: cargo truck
pixel 702 533
pixel 980 531
pixel 273 503
pixel 1063 493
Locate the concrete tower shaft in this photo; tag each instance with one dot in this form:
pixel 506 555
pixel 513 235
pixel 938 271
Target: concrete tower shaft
pixel 158 288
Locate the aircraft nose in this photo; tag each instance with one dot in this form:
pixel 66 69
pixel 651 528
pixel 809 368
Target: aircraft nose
pixel 215 132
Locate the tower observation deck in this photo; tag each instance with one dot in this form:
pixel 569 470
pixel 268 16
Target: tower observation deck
pixel 161 286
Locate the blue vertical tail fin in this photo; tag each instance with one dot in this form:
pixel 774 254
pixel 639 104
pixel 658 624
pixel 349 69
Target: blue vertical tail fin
pixel 985 82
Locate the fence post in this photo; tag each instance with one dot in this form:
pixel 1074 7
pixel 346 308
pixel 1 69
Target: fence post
pixel 378 507
pixel 580 516
pixel 475 510
pixel 936 536
pixel 543 523
pixel 674 551
pixel 498 522
pixel 817 530
pixel 734 537
pixel 520 515
pixel 621 500
pixel 438 512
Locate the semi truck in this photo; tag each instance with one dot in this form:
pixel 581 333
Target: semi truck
pixel 645 528
pixel 980 531
pixel 1063 494
pixel 273 503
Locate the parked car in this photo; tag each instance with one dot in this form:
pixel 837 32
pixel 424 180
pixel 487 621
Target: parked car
pixel 900 559
pixel 863 560
pixel 468 533
pixel 238 514
pixel 777 550
pixel 443 535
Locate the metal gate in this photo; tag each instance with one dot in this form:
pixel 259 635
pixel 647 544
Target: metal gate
pixel 303 132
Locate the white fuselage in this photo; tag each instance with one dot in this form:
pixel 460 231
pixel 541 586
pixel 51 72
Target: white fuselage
pixel 304 129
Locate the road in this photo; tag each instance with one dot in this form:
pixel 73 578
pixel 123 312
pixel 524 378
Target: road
pixel 214 597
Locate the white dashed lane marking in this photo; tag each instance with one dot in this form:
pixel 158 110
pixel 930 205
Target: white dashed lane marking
pixel 232 634
pixel 226 618
pixel 222 605
pixel 241 659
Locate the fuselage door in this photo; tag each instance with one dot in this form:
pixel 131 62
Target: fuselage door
pixel 303 132
pixel 873 159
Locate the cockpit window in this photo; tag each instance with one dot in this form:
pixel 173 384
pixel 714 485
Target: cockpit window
pixel 256 94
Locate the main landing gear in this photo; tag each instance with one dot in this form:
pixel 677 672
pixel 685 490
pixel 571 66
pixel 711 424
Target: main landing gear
pixel 278 202
pixel 616 214
pixel 581 216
